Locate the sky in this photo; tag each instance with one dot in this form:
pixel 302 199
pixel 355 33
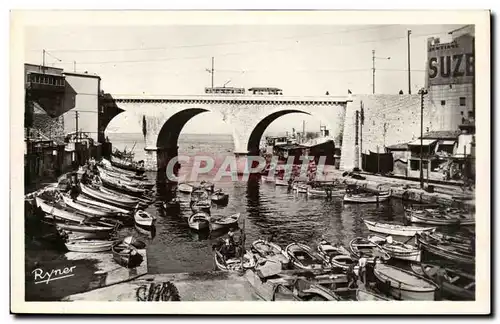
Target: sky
pixel 302 60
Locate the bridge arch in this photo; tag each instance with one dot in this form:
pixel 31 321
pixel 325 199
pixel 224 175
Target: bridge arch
pixel 169 133
pixel 257 132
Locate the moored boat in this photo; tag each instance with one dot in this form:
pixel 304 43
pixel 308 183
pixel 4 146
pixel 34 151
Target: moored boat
pixel 299 187
pixel 185 187
pixel 87 208
pixel 199 221
pixel 126 180
pixel 217 223
pixel 58 211
pixel 126 165
pixel 233 263
pixel 361 246
pixel 365 295
pixel 117 184
pixel 281 182
pixel 126 254
pixel 325 192
pixel 445 251
pixel 98 204
pixel 270 250
pixel 143 219
pixel 337 256
pixel 172 204
pixel 89 246
pixel 397 250
pixel 219 197
pixel 438 218
pixel 403 284
pixel 453 283
pixel 303 257
pixel 365 198
pixel 395 229
pixel 109 197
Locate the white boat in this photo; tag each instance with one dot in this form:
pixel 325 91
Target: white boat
pixel 268 179
pixel 143 218
pixel 424 216
pixel 397 250
pixel 365 295
pixel 361 246
pixel 58 211
pixel 98 204
pixel 281 182
pixel 233 264
pixel 364 198
pixel 271 251
pixel 303 257
pixel 89 246
pixel 185 187
pixel 300 187
pixel 404 284
pixel 337 256
pixel 324 192
pixel 217 223
pixel 198 221
pixel 394 229
pixel 85 208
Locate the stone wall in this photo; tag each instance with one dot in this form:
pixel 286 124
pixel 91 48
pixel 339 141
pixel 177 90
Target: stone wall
pixel 389 119
pixel 51 127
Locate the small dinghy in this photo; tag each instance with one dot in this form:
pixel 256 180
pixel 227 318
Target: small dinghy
pixel 281 182
pixel 109 197
pixel 98 204
pixel 438 217
pixel 446 251
pixel 220 198
pixel 208 186
pixel 403 284
pixel 126 165
pixel 198 221
pixel 200 200
pixel 394 229
pixel 303 257
pixel 117 184
pixel 217 223
pixel 185 187
pixel 299 187
pixel 126 179
pixel 125 252
pixel 88 208
pixel 337 256
pixel 233 263
pixel 365 295
pixel 271 251
pixel 361 246
pixel 397 250
pixel 89 246
pixel 58 211
pixel 143 219
pixel 365 198
pixel 455 284
pixel 77 231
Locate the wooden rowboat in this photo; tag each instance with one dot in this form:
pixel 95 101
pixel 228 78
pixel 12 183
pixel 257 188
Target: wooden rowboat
pixel 361 246
pixel 89 246
pixel 199 221
pixel 394 229
pixel 337 256
pixel 126 254
pixel 220 198
pixel 58 211
pixel 117 184
pixel 456 284
pixel 126 180
pixel 431 218
pixel 303 257
pixel 233 264
pixel 364 198
pixel 397 250
pixel 447 252
pixel 217 223
pixel 87 208
pixel 404 284
pixel 98 204
pixel 104 195
pixel 185 187
pixel 143 218
pixel 365 295
pixel 271 251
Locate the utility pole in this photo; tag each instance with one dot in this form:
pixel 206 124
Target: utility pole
pixel 422 92
pixel 373 68
pixel 409 70
pixel 212 72
pixel 74 66
pixel 373 71
pixel 43 58
pixel 76 122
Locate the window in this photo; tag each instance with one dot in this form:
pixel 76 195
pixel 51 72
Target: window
pixel 414 165
pixel 461 113
pixel 443 102
pixel 471 114
pixel 462 101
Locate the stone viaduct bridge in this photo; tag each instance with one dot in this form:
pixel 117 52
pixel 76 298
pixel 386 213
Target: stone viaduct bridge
pixel 162 119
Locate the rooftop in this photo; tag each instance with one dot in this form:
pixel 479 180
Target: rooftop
pixel 399 146
pixel 447 134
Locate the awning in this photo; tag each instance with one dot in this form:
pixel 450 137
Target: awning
pixel 447 142
pixel 425 142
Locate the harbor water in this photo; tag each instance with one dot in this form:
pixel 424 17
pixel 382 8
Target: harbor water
pixel 266 210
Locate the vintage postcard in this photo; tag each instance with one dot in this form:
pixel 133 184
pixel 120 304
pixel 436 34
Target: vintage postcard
pixel 260 159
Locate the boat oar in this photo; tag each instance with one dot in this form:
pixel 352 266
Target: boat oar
pixel 408 240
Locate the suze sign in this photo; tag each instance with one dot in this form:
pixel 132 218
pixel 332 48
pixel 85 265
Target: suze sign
pixel 450 63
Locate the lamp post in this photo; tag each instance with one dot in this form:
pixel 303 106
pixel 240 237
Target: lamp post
pixel 422 92
pixel 373 68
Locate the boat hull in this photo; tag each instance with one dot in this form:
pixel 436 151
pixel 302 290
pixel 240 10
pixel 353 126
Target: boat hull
pixel 366 200
pixel 412 217
pixel 390 229
pixel 88 246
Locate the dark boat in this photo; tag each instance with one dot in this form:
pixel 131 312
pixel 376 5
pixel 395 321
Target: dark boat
pixel 126 254
pixel 455 284
pixel 220 198
pixel 116 184
pixel 445 251
pixel 125 165
pixel 173 204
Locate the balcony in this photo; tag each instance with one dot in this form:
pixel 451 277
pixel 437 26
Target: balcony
pixel 45 82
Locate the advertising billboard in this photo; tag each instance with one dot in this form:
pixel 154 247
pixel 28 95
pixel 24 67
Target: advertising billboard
pixel 450 63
